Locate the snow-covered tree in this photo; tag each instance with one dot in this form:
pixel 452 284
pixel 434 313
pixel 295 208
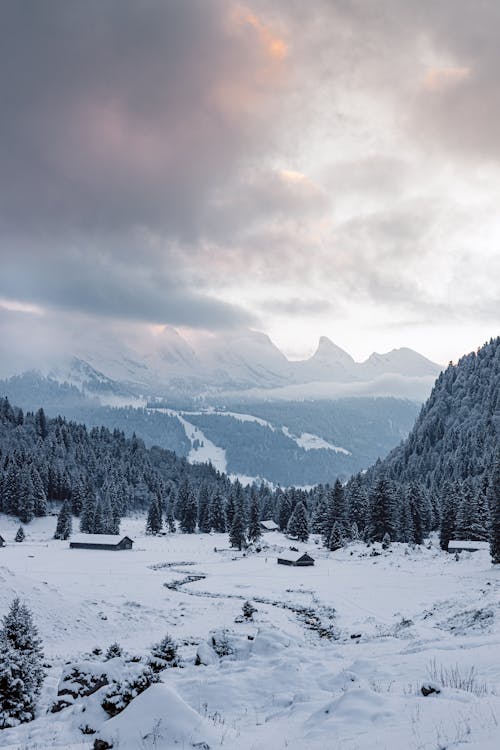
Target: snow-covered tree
pixel 336 540
pixel 382 511
pixel 298 525
pixel 494 502
pixel 254 530
pixel 21 669
pixel 154 520
pixel 217 513
pixel 64 525
pixel 20 535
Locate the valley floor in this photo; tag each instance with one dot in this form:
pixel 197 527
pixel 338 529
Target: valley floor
pixel 334 659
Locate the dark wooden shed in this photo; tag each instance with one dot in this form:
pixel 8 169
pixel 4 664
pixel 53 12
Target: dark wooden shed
pixel 304 560
pixel 2 541
pixel 101 541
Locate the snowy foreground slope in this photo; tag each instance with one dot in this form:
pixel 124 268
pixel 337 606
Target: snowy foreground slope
pixel 297 678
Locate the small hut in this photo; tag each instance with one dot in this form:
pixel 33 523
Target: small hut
pixel 303 561
pixel 2 541
pixel 462 545
pixel 101 541
pixel 269 525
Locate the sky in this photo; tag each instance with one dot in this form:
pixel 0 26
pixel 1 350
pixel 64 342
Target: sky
pixel 329 167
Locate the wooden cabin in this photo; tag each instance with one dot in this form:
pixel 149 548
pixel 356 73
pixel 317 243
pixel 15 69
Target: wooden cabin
pixel 2 541
pixel 303 561
pixel 269 525
pixel 101 541
pixel 462 545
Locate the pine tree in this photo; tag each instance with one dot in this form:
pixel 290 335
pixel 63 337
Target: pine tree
pixel 298 525
pixel 188 521
pixel 64 525
pixel 164 654
pixel 382 511
pixel 20 535
pixel 154 521
pixel 336 540
pixel 336 512
pixel 237 531
pixel 87 516
pixel 448 515
pixel 204 524
pixel 39 497
pixel 21 671
pixel 254 530
pixel 494 503
pixel 169 518
pixel 26 509
pixel 320 516
pixel 217 514
pixel 284 510
pixel 415 501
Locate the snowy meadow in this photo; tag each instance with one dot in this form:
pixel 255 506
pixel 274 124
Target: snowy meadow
pixel 335 656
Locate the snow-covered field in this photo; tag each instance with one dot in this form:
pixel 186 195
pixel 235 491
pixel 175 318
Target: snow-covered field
pixel 334 659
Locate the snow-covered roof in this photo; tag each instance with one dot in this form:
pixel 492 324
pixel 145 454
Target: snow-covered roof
pixel 98 538
pixel 270 525
pixel 464 544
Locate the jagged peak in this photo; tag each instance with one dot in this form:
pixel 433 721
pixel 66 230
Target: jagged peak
pixel 328 350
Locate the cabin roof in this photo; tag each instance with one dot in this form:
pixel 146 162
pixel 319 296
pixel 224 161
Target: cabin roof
pixel 99 538
pixel 467 544
pixel 269 524
pixel 305 556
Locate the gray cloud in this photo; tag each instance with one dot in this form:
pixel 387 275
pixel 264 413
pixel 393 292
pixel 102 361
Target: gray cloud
pixel 150 155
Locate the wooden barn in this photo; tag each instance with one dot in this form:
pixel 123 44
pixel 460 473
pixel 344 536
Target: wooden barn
pixel 269 525
pixel 101 541
pixel 462 545
pixel 303 561
pixel 2 541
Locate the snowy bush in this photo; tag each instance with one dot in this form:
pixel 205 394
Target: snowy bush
pixel 220 643
pixel 113 651
pixel 164 654
pixel 248 610
pixel 120 694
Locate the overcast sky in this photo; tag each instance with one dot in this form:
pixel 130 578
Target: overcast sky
pixel 302 168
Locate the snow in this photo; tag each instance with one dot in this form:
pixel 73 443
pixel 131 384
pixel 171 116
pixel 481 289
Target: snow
pixel 161 719
pixel 204 450
pixel 397 620
pixel 310 442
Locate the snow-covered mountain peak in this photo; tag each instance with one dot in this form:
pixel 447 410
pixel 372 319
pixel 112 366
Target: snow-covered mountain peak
pixel 327 351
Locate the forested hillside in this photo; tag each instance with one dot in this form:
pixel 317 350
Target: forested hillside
pixel 456 435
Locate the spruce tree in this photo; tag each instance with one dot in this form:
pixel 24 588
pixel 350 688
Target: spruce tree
pixel 87 516
pixel 254 530
pixel 336 540
pixel 204 524
pixel 298 525
pixel 26 509
pixel 169 518
pixel 154 521
pixel 448 515
pixel 189 511
pixel 21 670
pixel 414 499
pixel 494 503
pixel 64 525
pixel 237 531
pixel 217 514
pixel 382 511
pixel 20 535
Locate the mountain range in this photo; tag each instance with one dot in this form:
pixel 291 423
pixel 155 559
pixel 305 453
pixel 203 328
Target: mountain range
pixel 243 364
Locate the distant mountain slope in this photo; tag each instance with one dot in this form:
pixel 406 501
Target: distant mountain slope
pixel 457 433
pixel 287 443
